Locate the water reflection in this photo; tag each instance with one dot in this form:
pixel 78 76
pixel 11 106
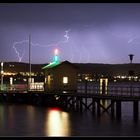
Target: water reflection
pixel 1 115
pixel 104 103
pixel 57 123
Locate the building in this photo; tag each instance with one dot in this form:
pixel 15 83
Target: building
pixel 15 75
pixel 62 76
pixel 65 75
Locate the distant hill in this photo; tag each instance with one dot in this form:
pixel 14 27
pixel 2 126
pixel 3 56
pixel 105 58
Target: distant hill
pixel 21 67
pixel 107 69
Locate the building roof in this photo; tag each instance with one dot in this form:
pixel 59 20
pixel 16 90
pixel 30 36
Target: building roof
pixel 59 64
pixel 51 65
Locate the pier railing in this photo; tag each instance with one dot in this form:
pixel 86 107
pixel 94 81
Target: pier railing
pixel 111 89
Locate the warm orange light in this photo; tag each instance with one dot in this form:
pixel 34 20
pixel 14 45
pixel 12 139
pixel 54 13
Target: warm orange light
pixel 49 81
pixel 1 64
pixel 65 80
pixel 106 84
pixel 57 123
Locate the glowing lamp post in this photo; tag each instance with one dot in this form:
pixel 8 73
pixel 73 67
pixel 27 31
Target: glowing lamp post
pixel 1 75
pixel 131 73
pixel 86 82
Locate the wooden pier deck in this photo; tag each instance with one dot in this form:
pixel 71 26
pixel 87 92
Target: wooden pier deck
pixel 76 100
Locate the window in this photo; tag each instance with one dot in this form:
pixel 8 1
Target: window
pixel 65 80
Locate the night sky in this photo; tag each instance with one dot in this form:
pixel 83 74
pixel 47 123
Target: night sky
pixel 83 32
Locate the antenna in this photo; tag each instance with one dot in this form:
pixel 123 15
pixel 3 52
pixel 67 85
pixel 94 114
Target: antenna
pixel 29 58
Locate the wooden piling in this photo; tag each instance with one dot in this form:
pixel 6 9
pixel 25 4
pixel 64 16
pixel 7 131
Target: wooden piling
pixel 112 108
pixel 118 109
pixel 135 110
pixel 93 106
pixel 81 103
pixel 98 108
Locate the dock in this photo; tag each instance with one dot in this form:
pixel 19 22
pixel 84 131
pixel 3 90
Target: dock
pixel 75 100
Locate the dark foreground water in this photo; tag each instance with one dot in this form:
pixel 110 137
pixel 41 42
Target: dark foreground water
pixel 28 120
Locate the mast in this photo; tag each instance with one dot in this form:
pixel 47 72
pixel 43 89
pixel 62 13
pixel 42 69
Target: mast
pixel 29 58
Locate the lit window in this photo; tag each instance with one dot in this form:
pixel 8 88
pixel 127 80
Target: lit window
pixel 11 80
pixel 65 80
pixel 24 80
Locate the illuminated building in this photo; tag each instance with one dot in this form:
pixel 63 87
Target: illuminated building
pixel 58 76
pixel 65 75
pixel 16 74
pixel 61 77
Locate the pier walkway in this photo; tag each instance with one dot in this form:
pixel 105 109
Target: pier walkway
pixel 79 101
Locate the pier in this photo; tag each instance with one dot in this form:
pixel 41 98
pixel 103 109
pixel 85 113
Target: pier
pixel 94 102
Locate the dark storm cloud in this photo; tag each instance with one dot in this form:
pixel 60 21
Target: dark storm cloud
pixel 99 32
pixel 41 14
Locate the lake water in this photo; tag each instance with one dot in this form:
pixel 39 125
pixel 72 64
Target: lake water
pixel 29 120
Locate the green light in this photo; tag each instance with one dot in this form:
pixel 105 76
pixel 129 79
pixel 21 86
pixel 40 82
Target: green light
pixel 55 61
pixel 51 65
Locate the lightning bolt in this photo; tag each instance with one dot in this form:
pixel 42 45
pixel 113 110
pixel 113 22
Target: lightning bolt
pixel 17 52
pixel 20 56
pixel 66 35
pixel 17 44
pixel 134 40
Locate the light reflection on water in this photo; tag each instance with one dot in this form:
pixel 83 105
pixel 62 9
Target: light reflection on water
pixel 28 120
pixel 1 116
pixel 57 123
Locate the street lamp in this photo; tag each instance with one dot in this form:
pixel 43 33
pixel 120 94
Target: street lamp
pixel 86 82
pixel 131 73
pixel 131 57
